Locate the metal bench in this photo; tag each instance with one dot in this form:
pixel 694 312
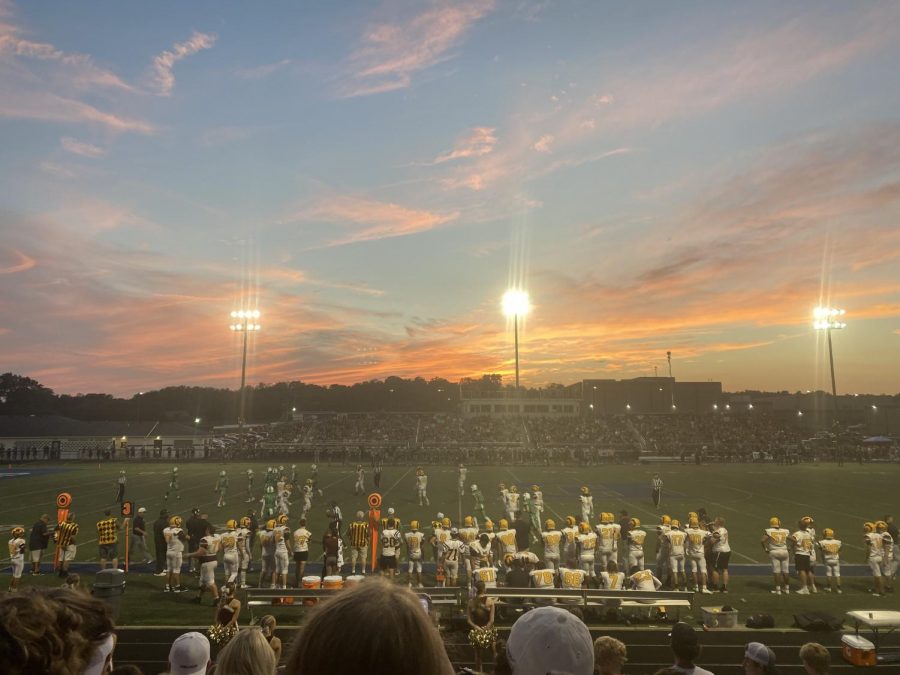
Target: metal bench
pixel 585 597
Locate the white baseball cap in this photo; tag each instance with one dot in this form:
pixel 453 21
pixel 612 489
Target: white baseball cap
pixel 550 639
pixel 189 654
pixel 142 510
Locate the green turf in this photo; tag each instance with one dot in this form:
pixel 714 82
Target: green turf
pixel 746 495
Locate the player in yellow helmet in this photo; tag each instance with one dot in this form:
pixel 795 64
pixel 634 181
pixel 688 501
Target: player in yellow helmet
pixel 414 554
pixel 608 535
pixel 775 543
pixel 874 555
pixel 635 539
pixel 831 556
pixel 16 555
pixel 587 504
pixel 175 538
pixel 887 547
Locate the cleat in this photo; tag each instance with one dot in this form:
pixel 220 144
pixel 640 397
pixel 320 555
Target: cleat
pixel 803 591
pixel 776 591
pixel 840 592
pixel 787 591
pixel 160 574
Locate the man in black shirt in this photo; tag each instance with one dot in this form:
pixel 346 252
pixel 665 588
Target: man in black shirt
pixel 37 542
pixel 159 542
pixel 523 532
pixel 196 527
pixel 517 577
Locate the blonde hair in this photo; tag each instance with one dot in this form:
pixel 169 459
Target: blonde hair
pixel 608 652
pixel 816 657
pixel 399 637
pixel 248 653
pixel 267 625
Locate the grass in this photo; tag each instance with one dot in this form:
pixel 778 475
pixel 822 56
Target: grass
pixel 745 494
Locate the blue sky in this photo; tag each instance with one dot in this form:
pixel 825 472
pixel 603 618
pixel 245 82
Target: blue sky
pixel 693 177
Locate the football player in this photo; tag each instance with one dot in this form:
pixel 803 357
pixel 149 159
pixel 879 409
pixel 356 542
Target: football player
pixel 452 551
pixel 538 497
pixel 16 546
pixel 587 504
pixel 874 555
pixel 390 543
pixel 268 503
pixel 662 556
pixel 507 538
pixel 284 500
pixel 503 492
pixel 486 575
pixel 468 533
pixel 461 479
pixel 674 548
pixel 570 580
pixel 695 551
pixel 221 488
pixel 512 503
pixel 422 487
pixel 414 539
pixel 306 492
pixel 570 540
pixel 587 547
pixel 282 535
pixel 173 484
pixel 656 486
pixel 534 516
pixel 612 579
pixel 480 552
pixel 721 550
pixel 478 498
pixel 608 533
pixel 243 546
pixel 360 487
pixel 887 548
pixel 802 543
pixel 552 538
pixel 120 487
pixel 230 557
pixel 249 499
pixel 635 541
pixel 831 556
pixel 267 554
pixel 775 544
pixel 301 537
pixel 206 554
pixel 175 538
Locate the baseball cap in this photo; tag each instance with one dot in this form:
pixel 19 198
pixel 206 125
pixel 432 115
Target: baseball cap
pixel 758 652
pixel 189 654
pixel 142 510
pixel 550 639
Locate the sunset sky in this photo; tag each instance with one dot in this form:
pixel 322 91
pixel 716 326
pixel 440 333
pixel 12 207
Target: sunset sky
pixel 372 176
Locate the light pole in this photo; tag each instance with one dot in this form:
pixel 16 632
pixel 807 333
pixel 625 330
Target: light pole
pixel 245 323
pixel 515 304
pixel 826 318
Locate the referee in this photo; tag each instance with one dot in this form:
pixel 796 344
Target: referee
pixel 656 484
pixel 65 535
pixel 358 534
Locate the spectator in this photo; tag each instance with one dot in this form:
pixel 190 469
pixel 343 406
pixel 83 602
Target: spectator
pixel 54 632
pixel 815 657
pixel 267 625
pixel 517 577
pixel 225 621
pixel 189 655
pixel 399 638
pixel 138 538
pixel 547 640
pixel 108 540
pixel 247 654
pixel 759 660
pixel 37 542
pixel 159 542
pixel 522 526
pixel 610 656
pixel 686 649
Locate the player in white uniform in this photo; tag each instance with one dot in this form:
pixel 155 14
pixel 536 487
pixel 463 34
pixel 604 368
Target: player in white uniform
pixel 635 540
pixel 570 543
pixel 611 578
pixel 802 544
pixel 503 493
pixel 587 548
pixel 414 539
pixel 507 539
pixel 452 553
pixel 422 487
pixel 468 533
pixel 480 552
pixel 831 556
pixel 230 557
pixel 674 548
pixel 696 536
pixel 282 535
pixel 537 497
pixel 662 556
pixel 243 546
pixel 587 504
pixel 887 548
pixel 486 575
pixel 267 554
pixel 307 500
pixel 608 533
pixel 722 555
pixel 643 580
pixel 206 554
pixel 284 501
pixel 571 580
pixel 175 538
pixel 390 544
pixel 552 539
pixel 16 547
pixel 360 487
pixel 874 555
pixel 301 537
pixel 543 578
pixel 461 479
pixel 775 543
pixel 512 503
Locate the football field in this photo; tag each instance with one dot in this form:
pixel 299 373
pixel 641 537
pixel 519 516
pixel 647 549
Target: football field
pixel 746 495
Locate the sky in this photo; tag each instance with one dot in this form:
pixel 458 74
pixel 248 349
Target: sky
pixel 372 176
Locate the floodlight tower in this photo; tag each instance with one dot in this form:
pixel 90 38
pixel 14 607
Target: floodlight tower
pixel 245 322
pixel 828 319
pixel 515 304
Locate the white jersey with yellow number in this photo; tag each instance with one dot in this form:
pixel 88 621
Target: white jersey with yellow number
pixel 609 535
pixel 831 550
pixel 636 541
pixel 802 543
pixel 569 537
pixel 587 544
pixel 229 542
pixel 543 578
pixel 486 575
pixel 777 539
pixel 675 545
pixel 414 544
pixel 874 545
pixel 571 579
pixel 551 539
pixel 694 541
pixel 507 540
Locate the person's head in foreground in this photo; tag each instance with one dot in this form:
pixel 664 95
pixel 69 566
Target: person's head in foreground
pixel 397 635
pixel 248 653
pixel 54 632
pixel 816 659
pixel 685 645
pixel 759 659
pixel 189 654
pixel 610 655
pixel 548 640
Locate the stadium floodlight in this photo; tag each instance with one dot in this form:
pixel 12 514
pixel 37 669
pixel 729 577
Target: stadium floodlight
pixel 874 408
pixel 196 420
pixel 515 303
pixel 715 406
pixel 245 324
pixel 828 319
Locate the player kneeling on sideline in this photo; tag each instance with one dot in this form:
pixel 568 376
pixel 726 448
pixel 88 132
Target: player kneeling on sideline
pixel 831 555
pixel 552 538
pixel 206 555
pixel 695 550
pixel 775 542
pixel 414 539
pixel 643 580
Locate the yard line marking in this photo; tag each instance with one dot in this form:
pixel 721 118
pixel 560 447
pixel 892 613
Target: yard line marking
pixel 396 483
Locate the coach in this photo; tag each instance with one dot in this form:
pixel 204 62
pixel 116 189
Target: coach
pixel 37 542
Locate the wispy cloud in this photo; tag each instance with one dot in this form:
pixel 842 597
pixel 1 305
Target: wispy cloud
pixel 391 53
pixel 81 147
pixel 368 219
pixel 544 144
pixel 475 142
pixel 23 263
pixel 263 71
pixel 163 77
pixel 49 107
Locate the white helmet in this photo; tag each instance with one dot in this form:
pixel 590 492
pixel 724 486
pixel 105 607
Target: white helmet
pixel 293 466
pixel 440 516
pixel 313 467
pixel 250 472
pixel 281 468
pixel 474 487
pixel 222 472
pixel 268 469
pixel 391 511
pixel 174 469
